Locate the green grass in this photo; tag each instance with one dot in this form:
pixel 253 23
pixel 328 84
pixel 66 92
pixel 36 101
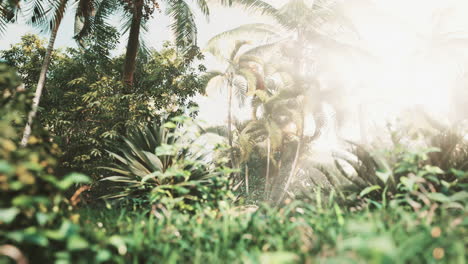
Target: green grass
pixel 295 233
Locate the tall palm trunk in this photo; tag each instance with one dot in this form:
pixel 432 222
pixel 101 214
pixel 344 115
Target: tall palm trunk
pixel 43 74
pixel 301 69
pixel 277 174
pixel 133 45
pixel 267 175
pixel 229 117
pixel 246 179
pixel 254 109
pixel 295 162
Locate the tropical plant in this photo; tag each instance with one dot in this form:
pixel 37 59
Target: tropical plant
pixel 138 12
pixel 420 176
pixel 85 104
pixel 7 13
pixel 274 136
pixel 32 198
pixel 48 16
pixel 307 30
pixel 164 161
pixel 58 8
pixel 241 76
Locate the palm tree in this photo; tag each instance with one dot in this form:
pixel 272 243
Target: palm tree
pixel 183 25
pixel 140 11
pixel 303 21
pixel 240 77
pixel 48 15
pixel 271 134
pixel 58 10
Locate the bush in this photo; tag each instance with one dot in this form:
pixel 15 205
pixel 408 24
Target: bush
pixel 85 103
pixel 36 221
pixel 168 164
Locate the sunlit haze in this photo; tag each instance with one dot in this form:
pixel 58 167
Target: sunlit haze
pixel 412 60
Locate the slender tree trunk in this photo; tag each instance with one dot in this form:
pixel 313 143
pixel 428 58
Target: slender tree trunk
pixel 231 149
pixel 247 179
pixel 229 117
pixel 254 109
pixel 277 176
pixel 133 45
pixel 267 175
pixel 43 75
pixel 295 162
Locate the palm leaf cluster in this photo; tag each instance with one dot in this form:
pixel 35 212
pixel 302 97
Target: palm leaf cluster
pixel 7 13
pixel 442 153
pixel 162 161
pixel 271 59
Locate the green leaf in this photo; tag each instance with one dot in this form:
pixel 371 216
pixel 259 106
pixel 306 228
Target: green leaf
pixel 459 173
pixel 76 242
pixel 71 179
pixel 459 196
pixel 119 243
pixel 8 215
pixel 152 175
pixel 170 125
pixel 165 150
pixel 279 257
pixel 61 233
pixel 42 218
pixel 27 200
pixel 383 176
pixel 339 214
pixel 6 168
pixel 30 235
pixel 103 256
pixel 438 197
pixel 369 190
pixel 433 169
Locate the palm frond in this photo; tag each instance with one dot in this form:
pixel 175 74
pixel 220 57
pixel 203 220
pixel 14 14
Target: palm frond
pixel 213 80
pixel 94 22
pixel 255 6
pixel 250 78
pixel 204 8
pixel 265 51
pixel 8 12
pixel 84 15
pixel 37 11
pixel 183 23
pixel 238 45
pixel 223 43
pixel 58 11
pixel 240 90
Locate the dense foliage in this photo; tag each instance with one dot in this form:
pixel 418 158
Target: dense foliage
pixel 85 104
pixel 118 170
pixel 172 164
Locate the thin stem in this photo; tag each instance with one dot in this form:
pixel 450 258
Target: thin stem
pixel 43 74
pixel 267 175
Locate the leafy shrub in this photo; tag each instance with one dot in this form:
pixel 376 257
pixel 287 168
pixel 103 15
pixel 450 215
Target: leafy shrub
pixel 85 103
pixel 35 218
pixel 167 161
pixel 429 167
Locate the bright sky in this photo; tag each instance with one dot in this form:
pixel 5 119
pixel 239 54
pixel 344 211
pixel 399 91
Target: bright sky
pixel 221 19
